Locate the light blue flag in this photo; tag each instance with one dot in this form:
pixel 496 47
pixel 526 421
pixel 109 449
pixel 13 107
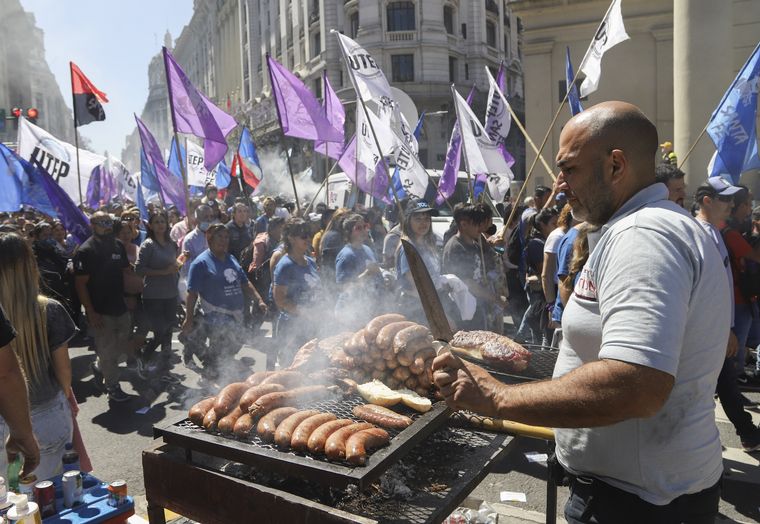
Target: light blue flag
pixel 173 164
pixel 732 125
pixel 140 201
pixel 18 187
pixel 223 175
pixel 148 174
pixel 573 98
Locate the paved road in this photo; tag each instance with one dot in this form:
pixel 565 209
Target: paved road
pixel 115 436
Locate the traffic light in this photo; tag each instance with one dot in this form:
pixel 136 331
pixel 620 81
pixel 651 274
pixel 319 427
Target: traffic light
pixel 16 112
pixel 32 114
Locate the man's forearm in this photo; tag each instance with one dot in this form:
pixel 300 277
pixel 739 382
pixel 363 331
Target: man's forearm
pixel 596 394
pixel 84 295
pixel 190 301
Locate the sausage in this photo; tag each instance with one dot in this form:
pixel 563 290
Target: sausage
pixel 243 426
pixel 391 363
pixel 388 354
pixel 266 403
pixel 377 374
pixel 406 335
pixel 210 420
pixel 376 324
pixel 422 391
pixel 429 372
pixel 419 344
pixel 285 429
pixel 385 336
pixel 382 416
pixel 417 367
pixel 356 345
pixel 256 378
pixel 404 359
pixel 269 422
pixel 253 393
pixel 392 382
pixel 401 373
pixel 289 379
pixel 300 439
pixel 229 397
pixel 199 410
pixel 359 443
pixel 318 437
pixel 227 423
pixel 411 382
pixel 379 364
pixel 335 445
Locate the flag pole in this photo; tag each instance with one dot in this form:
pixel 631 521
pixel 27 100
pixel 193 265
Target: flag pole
pixel 464 147
pixel 76 134
pixel 683 160
pixel 279 119
pixel 372 129
pixel 176 137
pixel 530 141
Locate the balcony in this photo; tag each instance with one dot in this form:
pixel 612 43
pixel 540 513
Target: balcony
pixel 492 7
pixel 401 36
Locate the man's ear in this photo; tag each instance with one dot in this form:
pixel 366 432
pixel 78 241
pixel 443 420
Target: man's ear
pixel 619 163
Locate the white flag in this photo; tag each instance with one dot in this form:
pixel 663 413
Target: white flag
pixel 498 119
pixel 56 157
pixel 610 33
pixel 482 154
pixel 197 174
pixel 126 184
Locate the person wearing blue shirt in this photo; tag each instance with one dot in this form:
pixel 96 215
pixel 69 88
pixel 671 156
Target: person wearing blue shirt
pixel 564 257
pixel 295 288
pixel 217 284
pixel 263 221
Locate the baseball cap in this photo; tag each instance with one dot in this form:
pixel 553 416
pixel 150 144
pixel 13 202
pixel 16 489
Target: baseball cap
pixel 419 206
pixel 722 185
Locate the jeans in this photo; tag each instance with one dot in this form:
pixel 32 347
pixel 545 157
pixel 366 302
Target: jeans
pixel 162 317
pixel 225 337
pixel 53 426
pixel 111 340
pixel 731 400
pixel 595 502
pixel 532 324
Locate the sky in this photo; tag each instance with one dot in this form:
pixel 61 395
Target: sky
pixel 112 42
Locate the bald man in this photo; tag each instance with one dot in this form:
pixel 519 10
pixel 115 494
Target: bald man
pixel 645 335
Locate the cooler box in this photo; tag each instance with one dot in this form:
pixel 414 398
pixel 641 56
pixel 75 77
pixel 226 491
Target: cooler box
pixel 93 509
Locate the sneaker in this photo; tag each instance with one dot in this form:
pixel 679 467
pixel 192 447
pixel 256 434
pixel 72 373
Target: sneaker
pixel 747 403
pixel 116 394
pixel 170 379
pixel 144 369
pixel 97 378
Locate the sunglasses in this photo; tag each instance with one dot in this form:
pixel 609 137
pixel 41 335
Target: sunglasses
pixel 103 223
pixel 725 198
pixel 360 227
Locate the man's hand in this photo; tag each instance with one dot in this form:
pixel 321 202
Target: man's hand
pixel 465 385
pixel 263 307
pixel 94 319
pixel 187 326
pixel 27 446
pixel 733 345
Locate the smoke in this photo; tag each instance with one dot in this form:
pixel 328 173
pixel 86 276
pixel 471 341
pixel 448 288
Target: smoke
pixel 276 179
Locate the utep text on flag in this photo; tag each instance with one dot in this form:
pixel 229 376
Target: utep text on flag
pixel 336 115
pixel 195 114
pixel 171 187
pixel 396 178
pixel 732 126
pixel 300 113
pixel 573 100
pixel 448 182
pixel 88 99
pixel 498 119
pixel 610 33
pixel 246 163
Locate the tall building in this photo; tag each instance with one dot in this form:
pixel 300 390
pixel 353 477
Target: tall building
pixel 25 78
pixel 423 46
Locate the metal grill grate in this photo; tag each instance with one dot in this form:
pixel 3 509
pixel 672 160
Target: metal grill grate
pixel 542 361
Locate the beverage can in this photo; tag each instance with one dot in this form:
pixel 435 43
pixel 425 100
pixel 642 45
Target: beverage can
pixel 70 459
pixel 117 493
pixel 26 486
pixel 44 496
pixel 72 488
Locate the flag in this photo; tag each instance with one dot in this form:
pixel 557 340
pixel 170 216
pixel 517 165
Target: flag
pixel 11 188
pixel 396 178
pixel 448 182
pixel 246 161
pixel 147 175
pixel 56 157
pixel 66 210
pixel 336 115
pixel 222 177
pixel 732 125
pixel 197 174
pixel 194 114
pixel 171 187
pixel 301 115
pixel 140 202
pixel 88 99
pixel 573 100
pixel 377 186
pixel 610 33
pixel 108 181
pixel 173 163
pixel 498 119
pixel 482 154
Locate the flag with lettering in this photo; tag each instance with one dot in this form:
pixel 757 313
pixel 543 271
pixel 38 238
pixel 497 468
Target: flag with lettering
pixel 88 99
pixel 396 178
pixel 573 99
pixel 732 126
pixel 171 187
pixel 448 181
pixel 300 113
pixel 610 33
pixel 195 114
pixel 336 115
pixel 376 186
pixel 498 119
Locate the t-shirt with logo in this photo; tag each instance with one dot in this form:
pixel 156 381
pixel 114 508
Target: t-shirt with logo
pixel 218 281
pixel 302 282
pixel 104 261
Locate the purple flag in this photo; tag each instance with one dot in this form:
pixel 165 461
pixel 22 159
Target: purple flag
pixel 194 114
pixel 300 114
pixel 448 181
pixel 102 187
pixel 357 173
pixel 171 187
pixel 501 82
pixel 336 115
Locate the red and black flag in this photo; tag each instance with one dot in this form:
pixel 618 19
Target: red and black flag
pixel 88 99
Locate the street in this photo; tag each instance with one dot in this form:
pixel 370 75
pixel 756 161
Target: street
pixel 115 438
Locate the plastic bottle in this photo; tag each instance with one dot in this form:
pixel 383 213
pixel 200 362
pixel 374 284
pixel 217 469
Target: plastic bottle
pixel 14 471
pixel 24 512
pixel 5 502
pixel 70 459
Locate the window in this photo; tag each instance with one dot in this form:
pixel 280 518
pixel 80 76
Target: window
pixel 466 71
pixel 316 47
pixel 448 19
pixel 464 31
pixel 452 69
pixel 353 29
pixel 491 34
pixel 402 67
pixel 401 16
pixel 318 87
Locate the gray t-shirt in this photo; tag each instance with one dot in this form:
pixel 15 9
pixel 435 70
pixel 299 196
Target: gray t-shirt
pixel 153 255
pixel 60 329
pixel 654 292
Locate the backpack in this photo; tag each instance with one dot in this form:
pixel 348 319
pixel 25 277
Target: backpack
pixel 514 247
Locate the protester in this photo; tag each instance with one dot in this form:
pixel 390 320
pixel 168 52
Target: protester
pixel 195 241
pixel 263 248
pixel 329 247
pixel 99 266
pixel 184 226
pixel 269 206
pixel 210 193
pixel 566 277
pixel 669 174
pixel 549 274
pixel 296 287
pixel 65 243
pixel 644 338
pixel 43 330
pixel 14 406
pixel 239 228
pixel 53 266
pixel 316 240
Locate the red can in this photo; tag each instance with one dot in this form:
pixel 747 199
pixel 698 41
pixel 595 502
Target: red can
pixel 117 493
pixel 44 496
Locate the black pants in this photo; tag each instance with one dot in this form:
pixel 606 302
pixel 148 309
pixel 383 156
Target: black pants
pixel 731 400
pixel 161 315
pixel 595 502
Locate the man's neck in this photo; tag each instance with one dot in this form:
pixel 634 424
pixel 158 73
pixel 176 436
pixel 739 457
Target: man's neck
pixel 705 217
pixel 221 255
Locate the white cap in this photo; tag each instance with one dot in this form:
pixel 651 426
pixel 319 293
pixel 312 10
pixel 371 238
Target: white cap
pixel 22 502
